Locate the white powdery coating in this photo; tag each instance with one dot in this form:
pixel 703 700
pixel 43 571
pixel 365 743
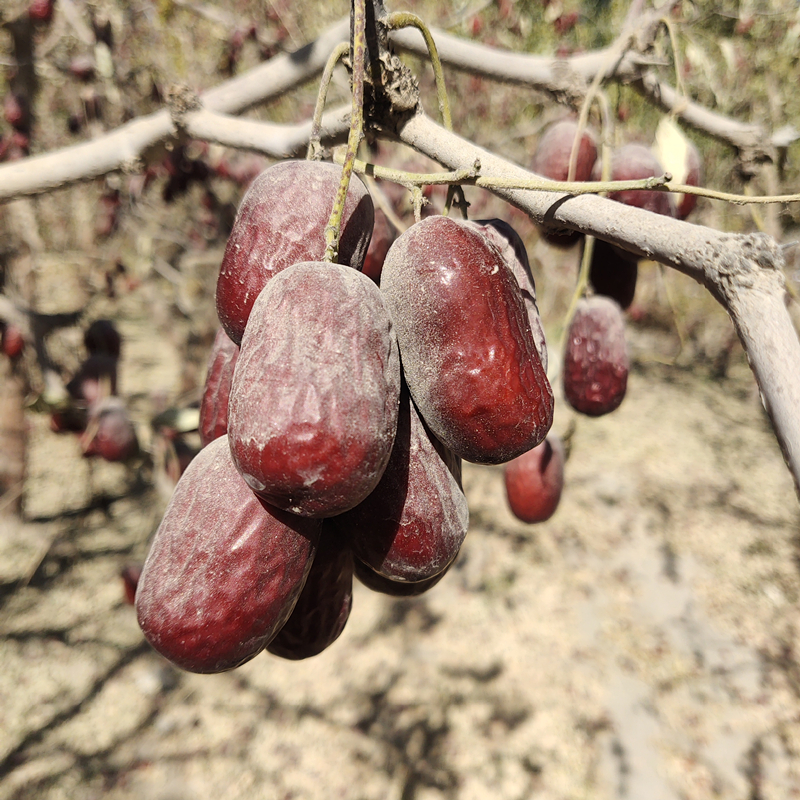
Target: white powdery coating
pixel 223 572
pixel 468 352
pixel 313 410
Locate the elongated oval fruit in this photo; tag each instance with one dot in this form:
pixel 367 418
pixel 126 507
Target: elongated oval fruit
pixel 596 359
pixel 412 525
pixel 534 481
pixel 224 570
pixel 323 608
pixel 634 162
pixel 217 389
pixel 468 351
pixel 512 248
pixel 315 393
pixel 551 160
pixel 281 221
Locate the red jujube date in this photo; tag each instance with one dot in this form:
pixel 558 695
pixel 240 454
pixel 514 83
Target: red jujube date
pixel 322 610
pixel 281 221
pixel 634 162
pixel 612 273
pixel 313 410
pixel 217 390
pixel 224 570
pixel 596 359
pixel 512 248
pixel 412 525
pixel 468 351
pixel 551 160
pixel 534 481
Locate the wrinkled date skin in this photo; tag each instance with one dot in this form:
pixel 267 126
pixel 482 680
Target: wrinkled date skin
pixel 512 248
pixel 281 222
pixel 413 524
pixel 217 390
pixel 534 481
pixel 224 570
pixel 596 359
pixel 322 610
pixel 613 274
pixel 314 401
pixel 468 351
pixel 378 583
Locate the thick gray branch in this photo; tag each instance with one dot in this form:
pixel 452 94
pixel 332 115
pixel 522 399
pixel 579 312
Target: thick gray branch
pixel 744 272
pixel 567 80
pixel 123 148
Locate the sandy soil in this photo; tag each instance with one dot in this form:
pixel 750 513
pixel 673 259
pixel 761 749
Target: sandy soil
pixel 641 644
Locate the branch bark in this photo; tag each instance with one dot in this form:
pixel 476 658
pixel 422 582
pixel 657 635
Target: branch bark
pixel 124 148
pixel 743 272
pixel 566 80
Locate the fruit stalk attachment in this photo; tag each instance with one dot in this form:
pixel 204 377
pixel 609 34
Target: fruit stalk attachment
pixel 359 46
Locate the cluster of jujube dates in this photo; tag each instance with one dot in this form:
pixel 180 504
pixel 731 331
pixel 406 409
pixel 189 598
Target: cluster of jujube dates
pixel 335 416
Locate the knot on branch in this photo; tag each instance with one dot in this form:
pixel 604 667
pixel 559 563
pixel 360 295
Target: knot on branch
pixel 751 157
pixel 181 100
pixel 391 91
pixel 568 87
pixel 741 262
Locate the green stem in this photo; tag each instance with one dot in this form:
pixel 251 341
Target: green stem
pixel 405 19
pixel 314 146
pixel 333 229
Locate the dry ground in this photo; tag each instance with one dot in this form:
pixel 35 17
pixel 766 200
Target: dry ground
pixel 640 644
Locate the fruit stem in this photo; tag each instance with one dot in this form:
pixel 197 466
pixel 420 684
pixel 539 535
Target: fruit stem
pixel 314 146
pixel 405 19
pixel 409 179
pixel 333 228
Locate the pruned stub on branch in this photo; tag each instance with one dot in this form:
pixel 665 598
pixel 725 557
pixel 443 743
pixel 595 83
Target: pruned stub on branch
pixel 391 91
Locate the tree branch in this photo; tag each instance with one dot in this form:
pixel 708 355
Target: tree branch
pixel 566 80
pixel 125 147
pixel 743 272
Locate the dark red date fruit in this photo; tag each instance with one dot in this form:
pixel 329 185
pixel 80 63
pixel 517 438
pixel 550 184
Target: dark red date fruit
pixel 216 394
pixel 314 400
pixel 596 359
pixel 109 433
pixel 130 580
pixel 413 524
pixel 534 481
pixel 468 352
pixel 512 248
pixel 281 221
pixel 635 162
pixel 613 273
pixel 383 234
pixel 12 342
pixel 551 160
pixel 103 338
pixel 224 570
pixel 324 604
pixel 378 583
